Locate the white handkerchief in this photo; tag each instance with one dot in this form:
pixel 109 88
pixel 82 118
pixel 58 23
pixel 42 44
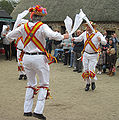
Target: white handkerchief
pixel 68 24
pixel 19 18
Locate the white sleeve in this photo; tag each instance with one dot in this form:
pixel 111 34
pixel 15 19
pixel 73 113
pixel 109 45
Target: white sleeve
pixel 103 41
pixel 14 34
pixel 79 38
pixel 51 34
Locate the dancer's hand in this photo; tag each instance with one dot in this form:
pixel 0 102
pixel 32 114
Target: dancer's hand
pixel 72 39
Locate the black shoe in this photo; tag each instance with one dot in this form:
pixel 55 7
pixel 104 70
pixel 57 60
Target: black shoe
pixel 79 71
pixel 87 87
pixel 28 114
pixel 20 77
pixel 39 116
pixel 93 85
pixel 75 70
pixel 25 77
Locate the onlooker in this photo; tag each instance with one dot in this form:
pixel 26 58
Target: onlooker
pixel 100 62
pixel 104 51
pixel 66 47
pixel 6 43
pixel 111 58
pixel 105 34
pixel 71 56
pixel 48 45
pixel 115 41
pixel 14 49
pixel 78 47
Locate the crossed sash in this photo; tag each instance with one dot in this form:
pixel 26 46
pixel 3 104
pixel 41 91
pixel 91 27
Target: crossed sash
pixel 31 37
pixel 20 67
pixel 20 38
pixel 88 41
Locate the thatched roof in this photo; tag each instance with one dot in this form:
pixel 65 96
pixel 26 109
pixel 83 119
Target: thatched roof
pixel 4 14
pixel 96 10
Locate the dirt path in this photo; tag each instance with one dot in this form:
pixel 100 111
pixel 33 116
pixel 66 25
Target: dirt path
pixel 70 101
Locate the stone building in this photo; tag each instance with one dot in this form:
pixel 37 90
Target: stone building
pixel 103 12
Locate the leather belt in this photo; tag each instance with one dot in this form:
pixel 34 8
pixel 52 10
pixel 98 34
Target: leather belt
pixel 35 53
pixel 91 53
pixel 19 49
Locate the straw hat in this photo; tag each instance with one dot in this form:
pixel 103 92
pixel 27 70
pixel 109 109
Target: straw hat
pixel 92 23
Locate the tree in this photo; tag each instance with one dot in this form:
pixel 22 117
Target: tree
pixel 7 6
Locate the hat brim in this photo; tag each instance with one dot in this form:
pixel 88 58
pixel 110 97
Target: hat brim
pixel 86 24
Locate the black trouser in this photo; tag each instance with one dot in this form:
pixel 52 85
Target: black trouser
pixel 49 49
pixel 78 62
pixel 100 67
pixel 66 56
pixel 111 60
pixel 7 51
pixel 13 49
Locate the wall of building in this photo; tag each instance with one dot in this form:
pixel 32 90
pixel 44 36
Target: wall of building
pixel 56 26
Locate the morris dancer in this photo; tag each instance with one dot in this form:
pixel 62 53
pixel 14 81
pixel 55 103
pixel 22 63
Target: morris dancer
pixel 20 46
pixel 35 58
pixel 90 53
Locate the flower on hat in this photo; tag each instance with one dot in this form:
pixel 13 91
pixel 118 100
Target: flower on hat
pixel 38 10
pixel 37 7
pixel 31 9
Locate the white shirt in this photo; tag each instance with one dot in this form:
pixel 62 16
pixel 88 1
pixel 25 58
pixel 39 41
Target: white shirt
pixel 43 32
pixel 95 41
pixel 5 41
pixel 67 43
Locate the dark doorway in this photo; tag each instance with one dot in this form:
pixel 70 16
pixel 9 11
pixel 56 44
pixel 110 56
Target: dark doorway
pixel 109 33
pixel 63 29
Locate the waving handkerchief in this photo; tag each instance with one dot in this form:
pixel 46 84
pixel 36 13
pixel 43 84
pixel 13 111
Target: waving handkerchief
pixel 19 18
pixel 68 24
pixel 86 19
pixel 78 20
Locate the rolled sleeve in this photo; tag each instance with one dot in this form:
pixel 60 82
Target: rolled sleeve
pixel 80 38
pixel 51 34
pixel 14 34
